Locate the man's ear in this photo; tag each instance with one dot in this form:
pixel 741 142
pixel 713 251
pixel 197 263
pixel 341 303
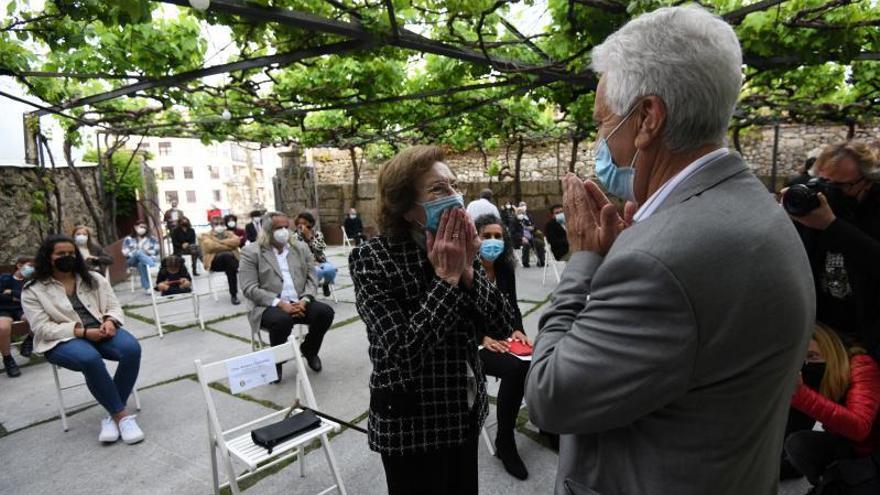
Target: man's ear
pixel 652 111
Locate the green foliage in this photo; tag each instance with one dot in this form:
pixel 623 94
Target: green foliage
pixel 127 178
pixel 804 62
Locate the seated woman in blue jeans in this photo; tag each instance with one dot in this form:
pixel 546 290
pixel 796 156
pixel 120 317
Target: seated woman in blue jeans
pixel 77 323
pixel 140 250
pixel 305 232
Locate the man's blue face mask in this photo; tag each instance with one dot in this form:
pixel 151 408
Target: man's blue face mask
pixel 434 210
pixel 617 180
pixel 491 249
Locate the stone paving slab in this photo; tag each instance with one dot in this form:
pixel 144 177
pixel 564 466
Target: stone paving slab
pixel 173 459
pixel 342 387
pixel 161 360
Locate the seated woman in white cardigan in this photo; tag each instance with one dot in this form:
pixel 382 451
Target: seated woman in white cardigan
pixel 77 323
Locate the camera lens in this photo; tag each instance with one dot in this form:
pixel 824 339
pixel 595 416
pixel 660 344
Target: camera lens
pixel 800 200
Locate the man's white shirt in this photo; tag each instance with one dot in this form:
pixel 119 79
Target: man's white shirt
pixel 288 291
pixel 660 195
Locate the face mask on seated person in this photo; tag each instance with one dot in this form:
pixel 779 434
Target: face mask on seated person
pixel 281 236
pixel 65 264
pixel 219 229
pixel 491 249
pixel 27 271
pixel 434 210
pixel 812 374
pixel 81 240
pixel 230 224
pixel 140 230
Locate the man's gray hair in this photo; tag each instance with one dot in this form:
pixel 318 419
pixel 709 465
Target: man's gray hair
pixel 687 57
pixel 264 237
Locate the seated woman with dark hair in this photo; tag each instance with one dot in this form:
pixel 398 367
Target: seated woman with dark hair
pixel 77 323
pixel 305 232
pixel 846 403
pixel 96 258
pixel 496 255
pixel 11 285
pixel 173 277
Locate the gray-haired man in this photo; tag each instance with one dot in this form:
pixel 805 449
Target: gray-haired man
pixel 669 352
pixel 278 277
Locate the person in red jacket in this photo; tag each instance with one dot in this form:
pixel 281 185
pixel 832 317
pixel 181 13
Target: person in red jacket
pixel 846 404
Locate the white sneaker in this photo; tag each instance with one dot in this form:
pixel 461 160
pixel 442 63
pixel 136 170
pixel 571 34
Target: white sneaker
pixel 130 431
pixel 109 431
pixel 148 292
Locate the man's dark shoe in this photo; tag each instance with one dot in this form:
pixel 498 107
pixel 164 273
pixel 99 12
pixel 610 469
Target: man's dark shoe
pixel 195 273
pixel 11 367
pixel 27 346
pixel 314 363
pixel 235 300
pixel 326 289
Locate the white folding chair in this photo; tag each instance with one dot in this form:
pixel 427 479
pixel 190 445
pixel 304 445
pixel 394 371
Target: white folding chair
pixel 551 263
pixel 257 336
pixel 488 440
pixel 216 285
pixel 236 444
pixel 346 242
pixel 134 275
pixel 179 317
pixel 63 410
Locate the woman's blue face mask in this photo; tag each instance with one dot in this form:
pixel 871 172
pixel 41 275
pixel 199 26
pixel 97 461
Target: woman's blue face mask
pixel 434 210
pixel 491 249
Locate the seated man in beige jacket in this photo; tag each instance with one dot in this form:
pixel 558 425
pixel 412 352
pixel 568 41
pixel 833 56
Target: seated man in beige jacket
pixel 77 324
pixel 221 253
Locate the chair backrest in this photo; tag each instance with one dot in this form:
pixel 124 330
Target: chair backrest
pixel 216 371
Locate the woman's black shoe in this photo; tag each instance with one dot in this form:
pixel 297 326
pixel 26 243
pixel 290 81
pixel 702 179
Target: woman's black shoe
pixel 513 464
pixel 27 346
pixel 326 289
pixel 11 367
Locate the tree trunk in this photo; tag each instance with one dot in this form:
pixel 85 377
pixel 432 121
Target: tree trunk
pixel 355 177
pixel 57 211
pixel 574 152
pixel 736 143
pixel 84 192
pixel 850 129
pixel 517 186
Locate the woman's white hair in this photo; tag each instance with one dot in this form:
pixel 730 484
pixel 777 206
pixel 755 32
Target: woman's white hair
pixel 687 57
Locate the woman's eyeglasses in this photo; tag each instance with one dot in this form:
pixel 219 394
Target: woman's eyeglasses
pixel 441 189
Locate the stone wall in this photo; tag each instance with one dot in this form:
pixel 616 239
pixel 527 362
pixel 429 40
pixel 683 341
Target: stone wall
pixel 550 160
pixel 795 144
pixel 542 165
pixel 19 207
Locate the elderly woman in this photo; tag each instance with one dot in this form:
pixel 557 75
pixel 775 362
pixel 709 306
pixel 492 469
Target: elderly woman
pixel 424 296
pixel 96 258
pixel 77 323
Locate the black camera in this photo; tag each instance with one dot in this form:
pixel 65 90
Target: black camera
pixel 801 199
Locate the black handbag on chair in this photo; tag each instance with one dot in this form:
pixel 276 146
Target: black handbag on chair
pixel 270 436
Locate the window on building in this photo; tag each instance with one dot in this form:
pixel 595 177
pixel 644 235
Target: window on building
pixel 215 171
pixel 190 196
pixel 187 172
pixel 170 196
pixel 238 153
pixel 217 195
pixel 168 173
pixel 144 146
pixel 164 148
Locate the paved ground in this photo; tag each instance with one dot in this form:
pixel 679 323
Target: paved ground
pixel 37 457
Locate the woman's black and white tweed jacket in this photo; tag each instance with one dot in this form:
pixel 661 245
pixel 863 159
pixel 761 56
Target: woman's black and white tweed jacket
pixel 422 334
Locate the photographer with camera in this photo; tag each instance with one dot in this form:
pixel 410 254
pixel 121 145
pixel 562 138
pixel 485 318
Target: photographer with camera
pixel 838 216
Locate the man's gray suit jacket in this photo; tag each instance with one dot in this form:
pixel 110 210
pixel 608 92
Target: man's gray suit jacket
pixel 260 276
pixel 668 365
